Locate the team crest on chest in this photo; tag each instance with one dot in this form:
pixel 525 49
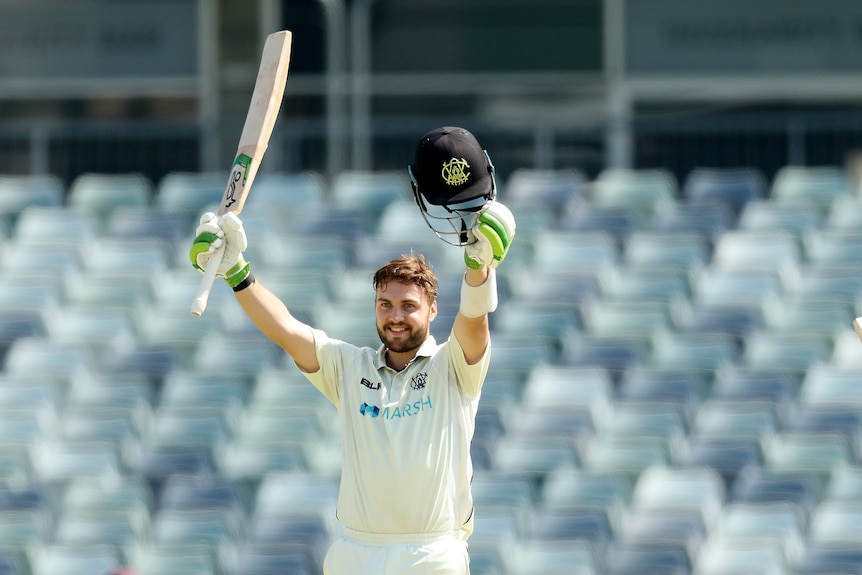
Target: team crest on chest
pixel 418 381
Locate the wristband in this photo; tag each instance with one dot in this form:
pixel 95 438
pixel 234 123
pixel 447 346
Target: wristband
pixel 249 279
pixel 479 300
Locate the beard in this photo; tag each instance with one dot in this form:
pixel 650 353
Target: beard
pixel 414 339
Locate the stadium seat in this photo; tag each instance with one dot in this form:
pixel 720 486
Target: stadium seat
pixel 190 194
pixel 797 351
pixel 732 187
pixel 210 527
pixel 727 456
pixel 815 187
pixel 677 526
pixel 665 420
pixel 845 485
pixel 815 315
pixel 626 456
pixel 119 427
pixel 55 224
pixel 646 191
pixel 150 558
pixel 84 559
pixel 149 222
pixel 590 524
pixel 774 250
pixel 719 556
pixel 17 193
pixel 554 558
pixel 270 558
pixel 815 454
pixel 126 495
pixel 218 493
pixel 836 522
pixel 50 260
pixel 659 283
pixel 287 492
pixel 708 221
pixel 613 354
pixel 700 490
pixel 719 419
pixel 534 456
pixel 60 461
pixel 759 485
pixel 513 492
pixel 769 216
pixel 106 289
pixel 367 193
pixel 290 195
pixel 740 383
pixel 652 249
pixel 554 386
pixel 829 247
pixel 723 317
pixel 190 426
pixel 618 221
pixel 706 352
pixel 648 559
pixel 114 529
pixel 612 318
pixel 844 214
pixel 819 558
pixel 41 355
pixel 736 287
pixel 840 282
pixel 536 422
pixel 100 194
pixel 242 356
pixel 843 420
pixel 586 251
pixel 552 188
pixel 779 522
pixel 685 388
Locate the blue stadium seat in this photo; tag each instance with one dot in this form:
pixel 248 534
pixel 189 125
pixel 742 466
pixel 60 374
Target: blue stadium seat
pixel 726 456
pixel 574 488
pixel 828 247
pixel 730 555
pixel 815 454
pixel 837 523
pixel 555 558
pixel 648 191
pixel 552 188
pixel 654 249
pixel 819 315
pixel 584 251
pixel 732 187
pixel 685 388
pixel 55 224
pixel 740 383
pixel 153 558
pixel 613 354
pixel 287 492
pixel 704 317
pixel 114 529
pixel 708 221
pixel 701 490
pixel 618 221
pixel 676 526
pixel 188 526
pixel 797 351
pixel 626 456
pixel 707 352
pixel 648 559
pixel 84 559
pixel 659 283
pixel 149 222
pixel 819 558
pixel 815 187
pixel 718 419
pixel 367 194
pixel 775 522
pixel 533 457
pixel 769 216
pixel 222 494
pixel 830 385
pixel 759 485
pixel 590 524
pixel 270 559
pixel 190 194
pixel 290 195
pixel 17 193
pixel 100 194
pixel 775 250
pixel 839 282
pixel 845 485
pixel 843 420
pixel 721 286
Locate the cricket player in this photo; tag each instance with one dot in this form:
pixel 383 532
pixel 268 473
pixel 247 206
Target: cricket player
pixel 407 408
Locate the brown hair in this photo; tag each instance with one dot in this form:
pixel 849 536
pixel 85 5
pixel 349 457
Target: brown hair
pixel 409 269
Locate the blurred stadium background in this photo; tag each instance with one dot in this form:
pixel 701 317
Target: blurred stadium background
pixel 676 383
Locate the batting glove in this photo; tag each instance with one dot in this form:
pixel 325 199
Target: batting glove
pixel 493 231
pixel 212 233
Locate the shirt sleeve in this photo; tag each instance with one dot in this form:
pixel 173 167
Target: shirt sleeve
pixel 470 377
pixel 326 378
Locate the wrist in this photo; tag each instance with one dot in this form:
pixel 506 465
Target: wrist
pixel 237 274
pixel 479 300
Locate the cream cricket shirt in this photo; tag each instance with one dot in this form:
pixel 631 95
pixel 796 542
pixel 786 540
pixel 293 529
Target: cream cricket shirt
pixel 406 466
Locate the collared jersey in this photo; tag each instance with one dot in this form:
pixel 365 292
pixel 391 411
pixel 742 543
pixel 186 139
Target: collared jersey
pixel 405 445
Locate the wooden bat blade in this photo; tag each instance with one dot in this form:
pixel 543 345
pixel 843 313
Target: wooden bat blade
pixel 857 325
pixel 256 132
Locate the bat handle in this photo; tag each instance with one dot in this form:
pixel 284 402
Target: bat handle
pixel 199 304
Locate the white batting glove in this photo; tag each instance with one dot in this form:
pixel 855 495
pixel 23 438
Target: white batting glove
pixel 494 231
pixel 212 233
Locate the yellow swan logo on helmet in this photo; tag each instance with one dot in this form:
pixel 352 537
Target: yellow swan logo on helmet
pixel 455 172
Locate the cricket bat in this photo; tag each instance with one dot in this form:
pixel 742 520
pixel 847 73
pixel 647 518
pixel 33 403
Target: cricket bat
pixel 857 325
pixel 262 113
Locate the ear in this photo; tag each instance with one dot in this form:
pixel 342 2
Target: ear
pixel 433 313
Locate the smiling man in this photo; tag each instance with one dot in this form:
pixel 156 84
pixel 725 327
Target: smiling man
pixel 407 409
